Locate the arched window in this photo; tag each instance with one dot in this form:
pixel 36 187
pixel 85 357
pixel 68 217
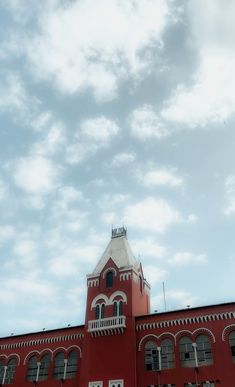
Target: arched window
pixel 120 308
pixel 44 368
pixel 58 373
pixel 72 365
pixel 11 367
pixel 102 311
pixel 97 312
pixel 151 356
pixel 32 369
pixel 167 354
pixel 232 344
pixel 204 355
pixel 187 354
pixel 115 309
pixel 1 370
pixel 109 279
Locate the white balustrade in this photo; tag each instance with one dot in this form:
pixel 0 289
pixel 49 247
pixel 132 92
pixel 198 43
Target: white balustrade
pixel 107 323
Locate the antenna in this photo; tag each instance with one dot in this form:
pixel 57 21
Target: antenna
pixel 164 295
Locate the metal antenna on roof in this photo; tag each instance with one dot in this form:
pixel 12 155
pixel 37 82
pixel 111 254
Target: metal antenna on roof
pixel 164 295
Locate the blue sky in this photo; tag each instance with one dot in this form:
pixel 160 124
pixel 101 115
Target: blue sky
pixel 111 113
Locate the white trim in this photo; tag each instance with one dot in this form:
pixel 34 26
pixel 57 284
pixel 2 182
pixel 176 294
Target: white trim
pixel 115 294
pixel 95 384
pixel 121 382
pixel 109 269
pixel 102 297
pixel 227 328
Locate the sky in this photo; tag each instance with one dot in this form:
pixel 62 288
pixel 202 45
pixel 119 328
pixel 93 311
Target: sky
pixel 114 113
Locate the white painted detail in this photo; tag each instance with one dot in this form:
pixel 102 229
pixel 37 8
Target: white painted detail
pixel 95 384
pixel 106 323
pixel 116 383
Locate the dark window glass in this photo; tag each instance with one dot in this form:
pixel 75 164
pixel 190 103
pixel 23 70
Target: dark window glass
pixel 187 355
pixel 97 312
pixel 1 370
pixel 32 369
pixel 120 308
pixel 204 355
pixel 232 344
pixel 72 365
pixel 102 310
pixel 44 368
pixel 167 354
pixel 109 279
pixel 115 309
pixel 59 366
pixel 11 367
pixel 151 356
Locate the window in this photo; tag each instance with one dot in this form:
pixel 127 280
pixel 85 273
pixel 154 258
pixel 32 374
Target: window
pixel 109 279
pixel 99 311
pixel 59 366
pixel 204 355
pixel 190 384
pixel 151 356
pixel 1 371
pixel 167 354
pixel 232 344
pixel 116 383
pixel 187 353
pixel 118 308
pixel 32 370
pixel 72 365
pixel 208 384
pixel 95 384
pixel 44 367
pixel 10 371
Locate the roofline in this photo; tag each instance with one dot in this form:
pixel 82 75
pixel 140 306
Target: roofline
pixel 184 310
pixel 42 332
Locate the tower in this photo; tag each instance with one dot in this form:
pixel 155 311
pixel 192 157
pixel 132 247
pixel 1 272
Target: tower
pixel 116 293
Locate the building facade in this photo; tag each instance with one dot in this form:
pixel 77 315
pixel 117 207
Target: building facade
pixel 121 343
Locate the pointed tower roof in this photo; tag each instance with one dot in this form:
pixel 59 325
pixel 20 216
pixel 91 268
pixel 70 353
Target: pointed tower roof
pixel 119 250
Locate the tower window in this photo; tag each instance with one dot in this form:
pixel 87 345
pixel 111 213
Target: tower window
pixel 109 279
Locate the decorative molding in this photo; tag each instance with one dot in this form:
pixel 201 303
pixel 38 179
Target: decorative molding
pixel 93 282
pixel 186 321
pixel 55 351
pixel 227 330
pixel 110 300
pixel 109 269
pixel 48 340
pixel 9 357
pixel 155 337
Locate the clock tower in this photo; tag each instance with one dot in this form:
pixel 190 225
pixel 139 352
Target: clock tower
pixel 116 293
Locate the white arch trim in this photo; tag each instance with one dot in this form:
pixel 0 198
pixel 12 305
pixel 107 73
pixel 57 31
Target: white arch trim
pixel 7 357
pixel 151 335
pixel 100 296
pixel 32 353
pixel 109 269
pixel 226 329
pixel 115 294
pixel 75 347
pixel 203 330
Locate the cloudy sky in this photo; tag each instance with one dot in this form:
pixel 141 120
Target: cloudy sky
pixel 114 112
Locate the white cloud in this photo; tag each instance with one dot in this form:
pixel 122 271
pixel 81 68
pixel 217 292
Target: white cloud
pixel 81 46
pixel 230 195
pixel 93 135
pixel 154 274
pixel 53 142
pixel 159 177
pixel 145 124
pixel 3 190
pixel 187 258
pixel 7 232
pixel 211 97
pixel 36 175
pixel 123 158
pixel 151 214
pixel 148 247
pixel 100 129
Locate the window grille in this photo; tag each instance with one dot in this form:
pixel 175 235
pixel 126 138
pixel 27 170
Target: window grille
pixel 10 372
pixel 72 365
pixel 44 368
pixel 187 354
pixel 32 369
pixel 58 373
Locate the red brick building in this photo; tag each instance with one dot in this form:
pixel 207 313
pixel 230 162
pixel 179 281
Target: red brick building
pixel 121 343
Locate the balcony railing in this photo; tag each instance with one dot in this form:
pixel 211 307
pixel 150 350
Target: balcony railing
pixel 107 325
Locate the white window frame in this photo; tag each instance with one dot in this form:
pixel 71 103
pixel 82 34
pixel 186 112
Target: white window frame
pixel 116 382
pixel 95 384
